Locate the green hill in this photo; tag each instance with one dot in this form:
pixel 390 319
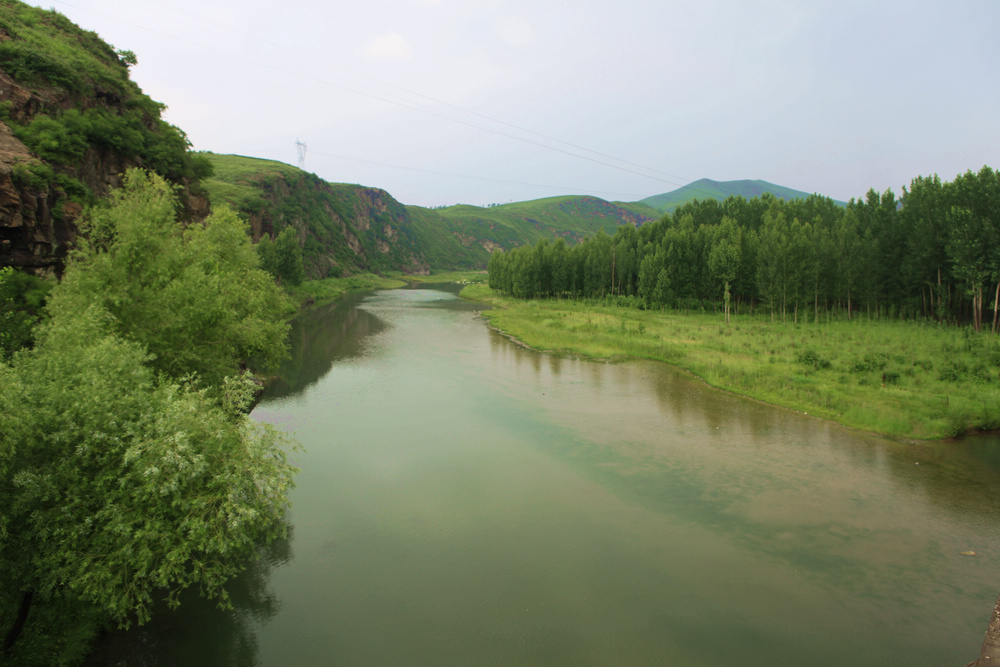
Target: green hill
pixel 463 236
pixel 343 228
pixel 349 228
pixel 71 121
pixel 706 188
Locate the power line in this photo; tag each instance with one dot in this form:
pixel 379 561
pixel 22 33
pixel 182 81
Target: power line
pixel 435 172
pixel 601 158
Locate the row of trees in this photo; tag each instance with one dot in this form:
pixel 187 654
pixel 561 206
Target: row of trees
pixel 931 254
pixel 128 463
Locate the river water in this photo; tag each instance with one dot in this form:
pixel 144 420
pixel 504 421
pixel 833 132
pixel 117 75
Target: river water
pixel 464 501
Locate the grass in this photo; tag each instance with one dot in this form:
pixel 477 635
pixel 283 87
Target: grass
pixel 329 289
pixel 903 379
pixel 460 236
pixel 463 277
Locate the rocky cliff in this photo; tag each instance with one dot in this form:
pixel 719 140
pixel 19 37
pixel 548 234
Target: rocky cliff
pixel 71 122
pixel 343 228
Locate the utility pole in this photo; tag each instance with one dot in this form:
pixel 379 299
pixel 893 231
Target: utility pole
pixel 301 149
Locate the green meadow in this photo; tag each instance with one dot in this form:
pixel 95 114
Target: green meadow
pixel 897 378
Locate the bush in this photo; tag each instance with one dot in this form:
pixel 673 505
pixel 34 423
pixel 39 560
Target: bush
pixel 811 358
pixel 871 362
pixel 953 371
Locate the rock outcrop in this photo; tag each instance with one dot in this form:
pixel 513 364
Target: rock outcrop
pixel 343 228
pixel 64 116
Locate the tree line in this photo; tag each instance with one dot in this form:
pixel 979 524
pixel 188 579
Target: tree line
pixel 932 253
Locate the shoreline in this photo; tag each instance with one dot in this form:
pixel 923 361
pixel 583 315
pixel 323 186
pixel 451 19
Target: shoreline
pixel 913 406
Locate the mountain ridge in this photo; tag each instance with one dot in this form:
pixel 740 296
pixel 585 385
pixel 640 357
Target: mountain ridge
pixel 706 188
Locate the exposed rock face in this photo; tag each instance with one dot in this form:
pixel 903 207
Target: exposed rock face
pixel 37 216
pixel 990 652
pixel 344 228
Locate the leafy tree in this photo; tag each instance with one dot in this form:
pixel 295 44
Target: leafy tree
pixel 282 258
pixel 974 221
pixel 195 299
pixel 924 214
pixel 128 464
pixel 970 246
pixel 847 251
pixel 559 261
pixel 724 256
pixel 22 297
pixel 653 261
pixel 116 485
pixel 771 273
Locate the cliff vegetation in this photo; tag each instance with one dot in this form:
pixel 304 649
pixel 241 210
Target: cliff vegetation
pixel 71 123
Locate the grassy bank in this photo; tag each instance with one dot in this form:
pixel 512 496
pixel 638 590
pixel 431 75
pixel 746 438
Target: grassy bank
pixel 329 289
pixel 464 277
pixel 902 379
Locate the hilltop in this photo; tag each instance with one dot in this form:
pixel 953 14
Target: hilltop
pixel 706 188
pixel 464 236
pixel 343 228
pixel 72 121
pixel 346 228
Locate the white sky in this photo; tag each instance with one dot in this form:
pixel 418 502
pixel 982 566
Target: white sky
pixel 482 101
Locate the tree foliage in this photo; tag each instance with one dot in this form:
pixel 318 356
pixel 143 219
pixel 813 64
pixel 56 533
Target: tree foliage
pixel 128 464
pixel 282 258
pixel 22 297
pixel 194 298
pixel 931 254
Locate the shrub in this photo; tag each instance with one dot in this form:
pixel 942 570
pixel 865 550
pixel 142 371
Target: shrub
pixel 871 362
pixel 811 358
pixel 953 371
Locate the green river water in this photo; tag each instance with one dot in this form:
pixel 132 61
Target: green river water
pixel 464 501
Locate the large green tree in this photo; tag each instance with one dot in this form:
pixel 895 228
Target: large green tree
pixel 129 468
pixel 194 298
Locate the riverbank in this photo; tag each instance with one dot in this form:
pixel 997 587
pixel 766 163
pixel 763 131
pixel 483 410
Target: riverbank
pixel 312 292
pixel 902 379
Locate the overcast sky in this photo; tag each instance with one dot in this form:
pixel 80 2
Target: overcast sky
pixel 483 101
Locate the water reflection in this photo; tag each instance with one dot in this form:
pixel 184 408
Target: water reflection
pixel 465 501
pixel 319 337
pixel 199 632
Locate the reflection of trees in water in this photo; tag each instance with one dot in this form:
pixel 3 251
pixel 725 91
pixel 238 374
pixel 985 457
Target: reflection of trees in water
pixel 319 337
pixel 958 477
pixel 198 632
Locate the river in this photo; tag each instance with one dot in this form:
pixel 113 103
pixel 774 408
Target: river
pixel 464 501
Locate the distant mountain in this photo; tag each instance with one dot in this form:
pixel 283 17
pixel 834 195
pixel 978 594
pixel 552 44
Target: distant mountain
pixel 706 188
pixel 349 228
pixel 464 236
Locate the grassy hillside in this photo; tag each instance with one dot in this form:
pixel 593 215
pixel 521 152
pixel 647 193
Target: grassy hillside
pixel 706 188
pixel 347 229
pixel 464 236
pixel 344 229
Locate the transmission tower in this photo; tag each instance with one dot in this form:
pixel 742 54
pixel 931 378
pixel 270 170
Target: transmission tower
pixel 301 149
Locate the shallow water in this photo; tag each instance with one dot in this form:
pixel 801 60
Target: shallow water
pixel 463 501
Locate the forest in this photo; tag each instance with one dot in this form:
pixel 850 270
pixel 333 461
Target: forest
pixel 929 254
